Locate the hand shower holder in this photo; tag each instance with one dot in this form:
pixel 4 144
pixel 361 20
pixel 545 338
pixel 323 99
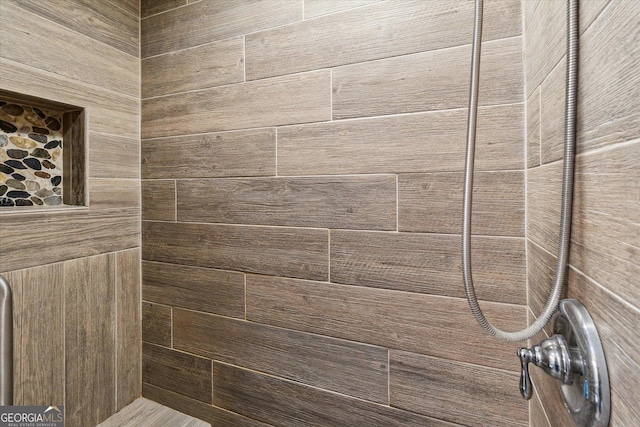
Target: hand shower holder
pixel 574 356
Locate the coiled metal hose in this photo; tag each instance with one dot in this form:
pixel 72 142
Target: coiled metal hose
pixel 567 179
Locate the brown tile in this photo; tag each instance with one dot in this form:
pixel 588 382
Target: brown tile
pixel 128 328
pixel 299 98
pixel 152 413
pixel 107 24
pixel 90 323
pixel 606 226
pixel 433 203
pixel 428 263
pixel 377 31
pixel 159 199
pixel 428 81
pixel 151 7
pixel 27 39
pixel 399 144
pixel 131 6
pixel 107 107
pixel 211 155
pixel 533 129
pixel 443 389
pixel 291 252
pixel 286 403
pixel 315 8
pixel 355 202
pixel 552 114
pixel 616 321
pixel 609 106
pixel 537 416
pixel 156 323
pixel 545 42
pixel 109 193
pixel 14 278
pixel 544 197
pixel 94 232
pixel 176 371
pixel 201 67
pixel 113 156
pixel 196 288
pixel 541 271
pixel 426 324
pixel 216 416
pixel 42 338
pixel 209 20
pixel 354 369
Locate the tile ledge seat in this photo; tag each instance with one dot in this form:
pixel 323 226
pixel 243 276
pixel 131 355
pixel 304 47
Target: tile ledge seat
pixel 146 413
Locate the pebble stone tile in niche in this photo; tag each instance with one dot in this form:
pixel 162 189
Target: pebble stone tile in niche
pixel 30 156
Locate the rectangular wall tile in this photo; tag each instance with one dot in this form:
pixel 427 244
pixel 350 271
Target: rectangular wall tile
pixel 42 337
pixel 533 129
pixel 156 323
pixel 106 107
pixel 210 20
pixel 426 324
pixel 113 156
pixel 14 278
pixel 216 416
pixel 433 203
pixel 27 39
pixel 349 368
pixel 108 24
pixel 159 199
pixel 151 7
pixel 200 67
pixel 616 321
pixel 545 41
pixel 300 98
pixel 537 416
pixel 289 404
pixel 372 32
pixel 428 81
pixel 357 202
pixel 291 252
pixel 196 288
pixel 94 232
pixel 90 339
pixel 399 144
pixel 176 371
pixel 609 89
pixel 541 270
pixel 211 155
pixel 131 6
pixel 544 196
pixel 109 193
pixel 429 263
pixel 606 236
pixel 483 401
pixel 552 114
pixel 315 8
pixel 128 328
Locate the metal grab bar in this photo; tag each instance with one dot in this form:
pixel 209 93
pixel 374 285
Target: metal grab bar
pixel 6 344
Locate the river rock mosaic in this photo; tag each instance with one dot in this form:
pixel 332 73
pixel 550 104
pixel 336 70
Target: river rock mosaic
pixel 30 156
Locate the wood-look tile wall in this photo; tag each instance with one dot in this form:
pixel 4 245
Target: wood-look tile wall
pixel 301 176
pixel 75 273
pixel 606 228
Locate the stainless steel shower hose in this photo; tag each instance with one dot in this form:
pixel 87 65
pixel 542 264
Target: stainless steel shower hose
pixel 567 179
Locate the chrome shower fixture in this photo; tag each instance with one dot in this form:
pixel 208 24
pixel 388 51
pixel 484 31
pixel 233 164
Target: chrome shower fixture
pixel 574 356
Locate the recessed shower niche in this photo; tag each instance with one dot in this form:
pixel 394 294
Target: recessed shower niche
pixel 42 153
